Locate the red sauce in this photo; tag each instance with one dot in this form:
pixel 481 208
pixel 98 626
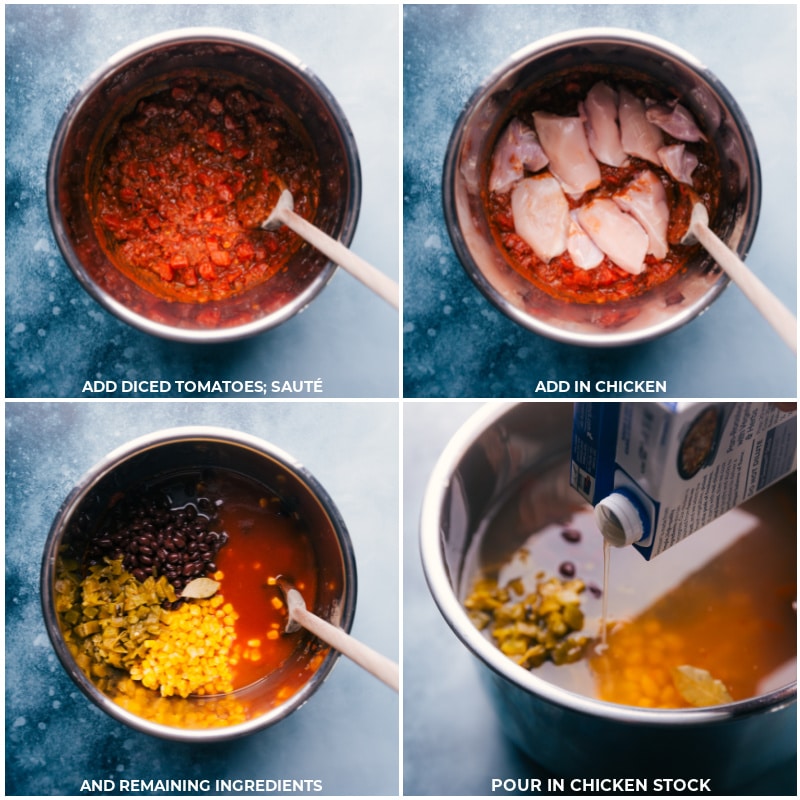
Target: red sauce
pixel 181 185
pixel 265 541
pixel 560 277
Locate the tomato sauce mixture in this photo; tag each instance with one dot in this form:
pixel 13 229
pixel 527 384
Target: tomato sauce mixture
pixel 265 541
pixel 560 277
pixel 179 189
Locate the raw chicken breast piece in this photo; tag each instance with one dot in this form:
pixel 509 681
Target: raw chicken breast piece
pixel 601 113
pixel 646 199
pixel 584 253
pixel 676 121
pixel 640 137
pixel 616 233
pixel 516 150
pixel 541 215
pixel 571 160
pixel 678 162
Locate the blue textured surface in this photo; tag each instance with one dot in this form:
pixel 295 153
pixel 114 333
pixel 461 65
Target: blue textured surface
pixel 346 735
pixel 456 343
pixel 57 336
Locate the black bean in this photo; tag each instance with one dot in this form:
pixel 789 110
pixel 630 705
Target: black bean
pixel 567 569
pixel 153 539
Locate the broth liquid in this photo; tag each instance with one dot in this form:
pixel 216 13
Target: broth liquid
pixel 722 601
pixel 265 542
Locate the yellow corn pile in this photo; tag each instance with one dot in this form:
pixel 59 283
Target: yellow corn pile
pixel 191 655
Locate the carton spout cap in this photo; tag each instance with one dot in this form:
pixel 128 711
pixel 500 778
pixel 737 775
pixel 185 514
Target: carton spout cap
pixel 621 519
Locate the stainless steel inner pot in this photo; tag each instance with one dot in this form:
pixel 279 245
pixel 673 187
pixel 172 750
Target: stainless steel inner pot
pixel 132 73
pixel 169 451
pixel 659 310
pixel 572 735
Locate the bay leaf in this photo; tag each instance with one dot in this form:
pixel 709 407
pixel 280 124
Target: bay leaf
pixel 699 688
pixel 200 588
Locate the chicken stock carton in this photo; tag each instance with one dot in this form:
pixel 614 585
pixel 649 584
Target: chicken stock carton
pixel 656 471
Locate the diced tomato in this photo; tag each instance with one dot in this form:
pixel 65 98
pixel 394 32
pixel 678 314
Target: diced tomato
pixel 127 195
pixel 207 271
pixel 216 140
pixel 113 221
pixel 225 193
pixel 164 271
pixel 245 251
pixel 222 258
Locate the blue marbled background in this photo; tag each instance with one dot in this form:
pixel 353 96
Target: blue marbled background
pixel 57 336
pixel 456 344
pixel 346 735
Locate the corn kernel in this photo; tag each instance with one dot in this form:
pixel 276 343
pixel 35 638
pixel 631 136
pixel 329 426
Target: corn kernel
pixel 188 658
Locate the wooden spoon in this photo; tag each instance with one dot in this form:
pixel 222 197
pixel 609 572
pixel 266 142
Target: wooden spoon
pixel 372 278
pixel 372 661
pixel 781 319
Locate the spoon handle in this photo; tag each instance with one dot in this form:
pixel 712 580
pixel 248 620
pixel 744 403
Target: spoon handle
pixel 371 277
pixel 372 661
pixel 781 319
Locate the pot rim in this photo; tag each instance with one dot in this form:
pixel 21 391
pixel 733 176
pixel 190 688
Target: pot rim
pixel 102 469
pixel 487 87
pixel 113 65
pixel 438 580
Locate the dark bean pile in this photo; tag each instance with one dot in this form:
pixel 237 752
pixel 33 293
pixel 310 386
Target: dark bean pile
pixel 154 539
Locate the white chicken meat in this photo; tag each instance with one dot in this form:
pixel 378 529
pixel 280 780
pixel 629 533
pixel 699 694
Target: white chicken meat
pixel 616 233
pixel 571 161
pixel 675 120
pixel 679 162
pixel 645 199
pixel 516 150
pixel 541 215
pixel 585 254
pixel 640 137
pixel 601 112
